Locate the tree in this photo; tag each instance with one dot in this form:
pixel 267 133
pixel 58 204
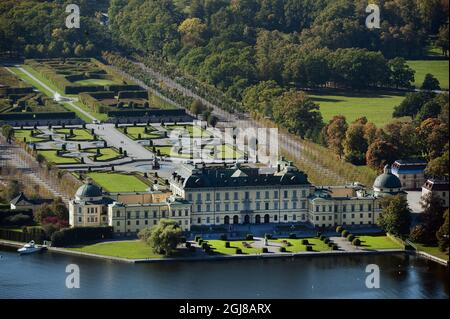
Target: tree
pixel 430 83
pixel 335 134
pixel 411 104
pixel 381 153
pixel 197 107
pixel 193 31
pixel 164 237
pixel 442 40
pixel 12 190
pixel 433 137
pixel 442 233
pixel 396 216
pixel 438 167
pixel 42 212
pixel 298 113
pixel 8 132
pixel 355 144
pixel 432 218
pixel 402 76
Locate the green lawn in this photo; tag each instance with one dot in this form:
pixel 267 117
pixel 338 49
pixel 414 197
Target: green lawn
pixel 218 246
pixel 20 134
pixel 193 132
pixel 297 245
pixel 50 156
pixel 134 131
pixel 376 106
pixel 439 68
pixel 88 82
pixel 225 151
pixel 118 183
pixel 433 250
pixel 378 242
pixel 122 249
pixel 107 154
pixel 157 102
pixel 78 134
pixel 167 151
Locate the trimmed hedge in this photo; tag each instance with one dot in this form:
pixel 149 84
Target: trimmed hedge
pixel 77 235
pixel 238 251
pixel 282 249
pixel 350 237
pixel 227 244
pixel 309 248
pixel 345 233
pixel 7 214
pixel 147 112
pixel 141 94
pixel 305 242
pixel 356 242
pixel 339 229
pixel 116 88
pixel 38 116
pixel 264 250
pixel 249 237
pixel 31 233
pixel 292 236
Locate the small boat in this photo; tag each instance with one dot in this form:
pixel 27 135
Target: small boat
pixel 30 248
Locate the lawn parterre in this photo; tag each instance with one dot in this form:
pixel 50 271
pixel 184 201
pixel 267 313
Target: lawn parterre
pixel 77 134
pixel 19 135
pixel 196 131
pixel 51 156
pixel 106 154
pixel 118 182
pixel 297 246
pixel 433 250
pixel 218 247
pixel 134 131
pixel 224 152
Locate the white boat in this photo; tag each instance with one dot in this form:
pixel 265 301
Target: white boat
pixel 30 248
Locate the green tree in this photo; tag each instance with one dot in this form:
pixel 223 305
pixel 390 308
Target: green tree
pixel 442 40
pixel 432 218
pixel 193 31
pixel 442 234
pixel 438 167
pixel 430 83
pixel 8 132
pixel 355 144
pixel 411 104
pixel 402 76
pixel 12 189
pixel 298 113
pixel 396 216
pixel 197 107
pixel 164 237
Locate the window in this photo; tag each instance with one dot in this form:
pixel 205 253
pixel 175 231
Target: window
pixel 227 207
pixel 285 194
pixel 317 208
pixel 330 217
pixel 294 194
pixel 370 215
pixel 190 197
pixel 324 218
pixel 266 205
pixel 275 205
pixel 353 208
pixel 361 207
pixel 146 222
pixel 275 194
pixel 323 208
pixel 303 204
pixel 344 216
pixel 179 213
pixel 317 218
pixel 208 197
pixel 163 214
pixel 294 205
pixel 353 215
pixel 199 220
pixel 208 207
pixel 266 195
pixel 118 214
pixel 128 215
pixel 146 214
pixel 370 207
pixel 258 195
pixel 137 215
pixel 118 223
pixel 236 206
pixel 227 196
pixel 344 208
pixel 186 222
pixel 199 208
pixel 275 218
pixel 186 212
pixel 294 217
pixel 336 208
pixel 217 196
pixel 154 222
pixel 247 195
pixel 217 207
pixel 137 223
pixel 236 195
pixel 258 206
pixel 155 214
pixel 207 220
pixel 303 193
pixel 199 197
pixel 285 205
pixel 79 219
pixel 285 217
pixel 361 215
pixel 128 223
pixel 217 219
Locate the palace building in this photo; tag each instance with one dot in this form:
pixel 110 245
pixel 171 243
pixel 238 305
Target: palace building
pixel 203 195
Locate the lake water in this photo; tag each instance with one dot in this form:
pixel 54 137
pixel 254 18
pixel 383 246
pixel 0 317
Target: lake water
pixel 44 276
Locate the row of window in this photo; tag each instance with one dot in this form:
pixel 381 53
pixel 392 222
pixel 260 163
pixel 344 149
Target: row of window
pixel 329 208
pixel 208 196
pixel 174 213
pixel 344 216
pixel 256 206
pixel 344 223
pixel 146 222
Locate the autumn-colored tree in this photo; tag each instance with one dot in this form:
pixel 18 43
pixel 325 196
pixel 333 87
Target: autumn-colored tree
pixel 381 153
pixel 335 134
pixel 193 32
pixel 355 144
pixel 433 137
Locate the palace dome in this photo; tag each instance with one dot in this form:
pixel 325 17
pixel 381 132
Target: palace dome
pixel 89 190
pixel 387 180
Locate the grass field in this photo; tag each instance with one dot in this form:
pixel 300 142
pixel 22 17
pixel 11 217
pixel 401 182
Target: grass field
pixel 20 134
pixel 107 154
pixel 439 68
pixel 78 134
pixel 378 242
pixel 317 244
pixel 433 250
pixel 101 82
pixel 50 156
pixel 134 131
pixel 123 249
pixel 376 106
pixel 118 183
pixel 225 151
pixel 167 151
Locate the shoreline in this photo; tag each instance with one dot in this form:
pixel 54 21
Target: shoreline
pixel 234 257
